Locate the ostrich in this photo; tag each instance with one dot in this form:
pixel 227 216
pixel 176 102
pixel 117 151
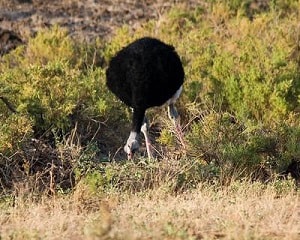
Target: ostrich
pixel 144 74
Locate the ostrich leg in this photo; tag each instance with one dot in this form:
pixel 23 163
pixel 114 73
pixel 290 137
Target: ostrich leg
pixel 175 118
pixel 144 130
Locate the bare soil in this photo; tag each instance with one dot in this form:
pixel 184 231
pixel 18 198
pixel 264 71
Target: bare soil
pixel 84 19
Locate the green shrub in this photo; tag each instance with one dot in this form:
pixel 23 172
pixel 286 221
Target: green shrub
pixel 242 82
pixel 170 175
pixel 239 107
pixel 49 88
pixel 50 83
pixel 13 131
pixel 240 151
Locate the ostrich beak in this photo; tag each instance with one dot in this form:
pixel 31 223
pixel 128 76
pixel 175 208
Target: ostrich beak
pixel 130 155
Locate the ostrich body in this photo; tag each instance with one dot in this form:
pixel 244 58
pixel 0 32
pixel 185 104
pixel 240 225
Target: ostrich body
pixel 144 74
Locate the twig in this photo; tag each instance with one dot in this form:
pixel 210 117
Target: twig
pixel 8 104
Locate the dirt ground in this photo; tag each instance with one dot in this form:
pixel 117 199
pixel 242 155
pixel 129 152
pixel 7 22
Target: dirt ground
pixel 85 19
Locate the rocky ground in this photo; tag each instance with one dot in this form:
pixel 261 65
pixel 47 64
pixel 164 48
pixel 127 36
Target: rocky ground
pixel 85 19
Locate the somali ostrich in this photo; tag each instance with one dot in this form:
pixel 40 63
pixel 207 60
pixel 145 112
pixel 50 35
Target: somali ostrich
pixel 144 74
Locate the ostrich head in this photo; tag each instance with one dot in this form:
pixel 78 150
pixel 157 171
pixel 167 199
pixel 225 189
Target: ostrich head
pixel 132 145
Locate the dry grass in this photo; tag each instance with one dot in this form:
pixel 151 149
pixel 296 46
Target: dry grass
pixel 245 212
pixel 240 211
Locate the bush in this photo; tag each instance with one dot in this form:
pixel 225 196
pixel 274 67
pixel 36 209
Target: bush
pixel 243 151
pixel 132 177
pixel 50 87
pixel 239 108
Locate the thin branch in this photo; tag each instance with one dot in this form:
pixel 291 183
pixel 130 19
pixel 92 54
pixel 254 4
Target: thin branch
pixel 8 104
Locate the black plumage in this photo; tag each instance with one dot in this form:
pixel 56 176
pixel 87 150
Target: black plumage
pixel 144 74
